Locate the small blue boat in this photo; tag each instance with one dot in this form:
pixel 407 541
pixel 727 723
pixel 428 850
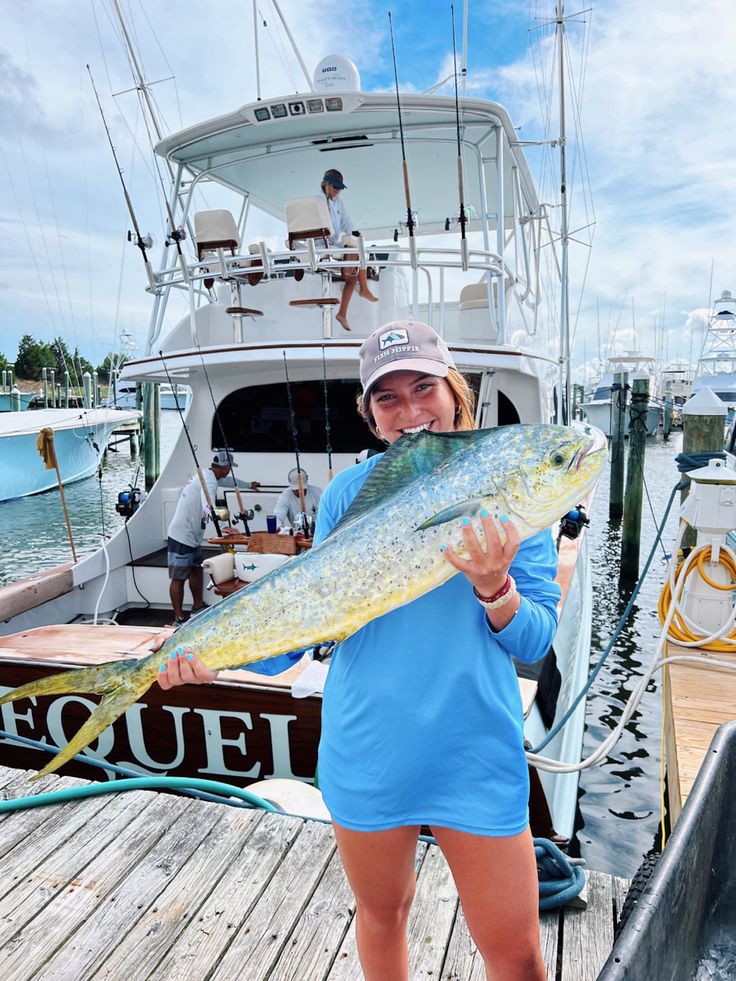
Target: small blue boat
pixel 80 438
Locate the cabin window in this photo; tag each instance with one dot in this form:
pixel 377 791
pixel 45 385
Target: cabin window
pixel 507 414
pixel 256 419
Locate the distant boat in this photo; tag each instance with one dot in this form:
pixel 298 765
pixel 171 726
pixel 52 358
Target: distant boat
pixel 124 396
pixel 80 438
pixel 598 408
pixel 7 401
pixel 717 363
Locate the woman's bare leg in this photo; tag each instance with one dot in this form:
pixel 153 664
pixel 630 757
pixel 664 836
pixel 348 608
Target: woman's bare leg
pixel 347 292
pixel 380 869
pixel 365 291
pixel 497 882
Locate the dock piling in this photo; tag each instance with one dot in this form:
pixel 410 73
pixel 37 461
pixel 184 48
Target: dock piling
pixel 703 425
pixel 631 536
pixel 618 417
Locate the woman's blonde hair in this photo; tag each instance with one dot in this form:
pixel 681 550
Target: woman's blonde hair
pixel 464 404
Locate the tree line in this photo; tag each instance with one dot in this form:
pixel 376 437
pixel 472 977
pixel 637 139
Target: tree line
pixel 33 356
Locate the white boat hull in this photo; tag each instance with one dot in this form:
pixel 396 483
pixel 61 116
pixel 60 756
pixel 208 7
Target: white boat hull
pixel 78 446
pixel 598 414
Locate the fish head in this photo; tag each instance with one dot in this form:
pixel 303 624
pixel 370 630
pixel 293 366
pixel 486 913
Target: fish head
pixel 540 472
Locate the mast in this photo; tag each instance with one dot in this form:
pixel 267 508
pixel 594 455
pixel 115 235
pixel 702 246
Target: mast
pixel 564 400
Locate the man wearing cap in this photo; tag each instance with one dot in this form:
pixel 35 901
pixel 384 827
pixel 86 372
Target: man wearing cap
pixel 288 505
pixel 344 235
pixel 186 532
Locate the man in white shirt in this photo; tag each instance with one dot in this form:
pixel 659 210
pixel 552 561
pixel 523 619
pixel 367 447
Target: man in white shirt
pixel 288 505
pixel 344 234
pixel 186 533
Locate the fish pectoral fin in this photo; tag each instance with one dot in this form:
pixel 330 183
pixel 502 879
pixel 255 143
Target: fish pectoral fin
pixel 463 509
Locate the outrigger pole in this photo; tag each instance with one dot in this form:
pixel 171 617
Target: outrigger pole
pixel 328 447
pixel 409 215
pixel 138 237
pixel 294 438
pixel 460 183
pixel 202 481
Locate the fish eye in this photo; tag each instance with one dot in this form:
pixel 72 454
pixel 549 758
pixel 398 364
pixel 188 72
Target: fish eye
pixel 558 458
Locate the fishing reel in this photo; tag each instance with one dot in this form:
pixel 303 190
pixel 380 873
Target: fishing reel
pixel 128 502
pixel 572 523
pixel 176 235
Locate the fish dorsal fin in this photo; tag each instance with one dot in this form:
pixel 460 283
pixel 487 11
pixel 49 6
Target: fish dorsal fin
pixel 411 456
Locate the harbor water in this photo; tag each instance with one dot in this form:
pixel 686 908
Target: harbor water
pixel 619 798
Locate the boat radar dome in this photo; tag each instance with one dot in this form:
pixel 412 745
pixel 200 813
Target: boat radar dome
pixel 335 73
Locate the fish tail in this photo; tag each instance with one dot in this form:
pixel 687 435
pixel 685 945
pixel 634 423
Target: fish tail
pixel 97 680
pixel 110 708
pixel 122 683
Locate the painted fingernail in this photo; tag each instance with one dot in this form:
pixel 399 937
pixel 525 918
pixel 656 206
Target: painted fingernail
pixel 189 657
pixel 466 521
pixel 173 655
pixel 179 650
pixel 443 548
pixel 162 668
pixel 504 518
pixel 484 513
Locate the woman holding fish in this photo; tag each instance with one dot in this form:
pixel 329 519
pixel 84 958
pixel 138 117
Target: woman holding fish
pixel 422 720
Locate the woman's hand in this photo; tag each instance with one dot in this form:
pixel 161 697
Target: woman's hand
pixel 486 570
pixel 181 667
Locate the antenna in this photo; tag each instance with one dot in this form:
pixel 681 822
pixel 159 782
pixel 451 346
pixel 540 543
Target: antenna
pixel 460 187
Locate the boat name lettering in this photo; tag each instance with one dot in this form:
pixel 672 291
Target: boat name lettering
pixel 143 731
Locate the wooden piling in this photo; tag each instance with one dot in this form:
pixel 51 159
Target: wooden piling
pixel 151 447
pixel 667 420
pixel 618 416
pixel 703 431
pixel 631 535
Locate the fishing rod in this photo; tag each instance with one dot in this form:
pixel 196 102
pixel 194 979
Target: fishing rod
pixel 243 516
pixel 407 195
pixel 328 447
pixel 460 183
pixel 294 438
pixel 202 481
pixel 139 241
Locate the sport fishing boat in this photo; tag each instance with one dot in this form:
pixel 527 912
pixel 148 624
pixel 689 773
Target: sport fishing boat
pixel 716 368
pixel 598 408
pixel 80 438
pixel 258 312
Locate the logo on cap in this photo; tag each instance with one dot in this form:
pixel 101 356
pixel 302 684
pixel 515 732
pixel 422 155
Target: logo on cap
pixel 392 337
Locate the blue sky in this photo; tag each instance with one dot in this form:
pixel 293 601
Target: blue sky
pixel 657 114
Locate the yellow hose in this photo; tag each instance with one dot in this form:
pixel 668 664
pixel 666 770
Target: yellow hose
pixel 678 629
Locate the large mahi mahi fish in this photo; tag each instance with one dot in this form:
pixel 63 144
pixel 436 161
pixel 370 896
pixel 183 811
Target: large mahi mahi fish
pixel 383 553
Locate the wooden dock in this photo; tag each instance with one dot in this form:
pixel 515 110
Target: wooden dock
pixel 148 885
pixel 697 701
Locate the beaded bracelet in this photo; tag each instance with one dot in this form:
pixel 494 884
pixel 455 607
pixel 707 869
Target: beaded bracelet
pixel 504 595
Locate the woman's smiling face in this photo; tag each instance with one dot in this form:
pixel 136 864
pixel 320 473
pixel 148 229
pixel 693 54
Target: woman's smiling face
pixel 410 401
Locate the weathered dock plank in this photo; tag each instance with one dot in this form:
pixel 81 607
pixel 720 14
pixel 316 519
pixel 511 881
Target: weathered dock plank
pixel 259 943
pixel 199 948
pixel 588 934
pixel 152 886
pixel 126 830
pixel 216 836
pixel 160 840
pixel 432 916
pixel 320 929
pixel 47 860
